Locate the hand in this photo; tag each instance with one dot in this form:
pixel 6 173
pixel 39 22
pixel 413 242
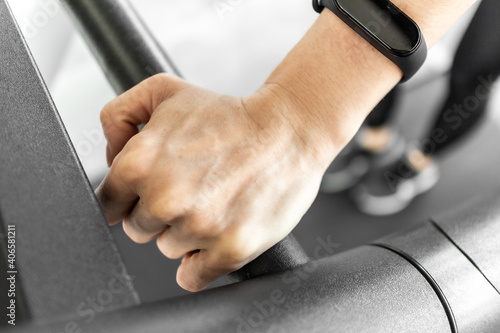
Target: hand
pixel 219 179
pixel 215 179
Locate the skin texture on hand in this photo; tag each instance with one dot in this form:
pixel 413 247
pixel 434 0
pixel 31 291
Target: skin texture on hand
pixel 215 179
pixel 218 180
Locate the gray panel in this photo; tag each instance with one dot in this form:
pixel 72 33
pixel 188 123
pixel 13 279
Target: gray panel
pixel 475 229
pixel 66 254
pixel 474 302
pixel 368 289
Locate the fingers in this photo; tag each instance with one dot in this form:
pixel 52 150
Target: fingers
pixel 121 117
pixel 119 191
pixel 115 197
pixel 198 269
pixel 170 181
pixel 219 256
pixel 140 226
pixel 172 246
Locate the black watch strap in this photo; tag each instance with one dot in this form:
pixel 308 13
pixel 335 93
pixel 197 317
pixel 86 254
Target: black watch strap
pixel 385 27
pixel 317 6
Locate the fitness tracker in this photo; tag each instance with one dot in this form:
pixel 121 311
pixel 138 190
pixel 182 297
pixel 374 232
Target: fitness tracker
pixel 385 27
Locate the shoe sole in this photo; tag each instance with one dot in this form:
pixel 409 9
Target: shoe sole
pixel 392 204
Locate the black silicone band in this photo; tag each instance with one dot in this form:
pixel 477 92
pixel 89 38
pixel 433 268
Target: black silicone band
pixel 409 63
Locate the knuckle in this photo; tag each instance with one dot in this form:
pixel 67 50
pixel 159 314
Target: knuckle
pixel 131 229
pixel 162 78
pixel 237 248
pixel 170 84
pixel 200 226
pixel 106 116
pixel 235 257
pixel 238 255
pixel 166 250
pixel 131 167
pixel 166 208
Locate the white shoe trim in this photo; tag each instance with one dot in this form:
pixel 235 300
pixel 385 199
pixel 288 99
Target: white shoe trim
pixel 406 191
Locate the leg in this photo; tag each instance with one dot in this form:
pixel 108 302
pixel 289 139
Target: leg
pixel 376 134
pixel 382 113
pixel 475 68
pixel 374 142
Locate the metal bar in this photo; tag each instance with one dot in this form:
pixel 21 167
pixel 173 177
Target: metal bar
pixel 120 41
pixel 65 254
pixel 283 256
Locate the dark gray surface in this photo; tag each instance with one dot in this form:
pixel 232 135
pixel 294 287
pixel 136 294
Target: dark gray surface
pixel 475 304
pixel 368 289
pixel 475 230
pixel 127 54
pixel 469 168
pixel 120 41
pixel 65 252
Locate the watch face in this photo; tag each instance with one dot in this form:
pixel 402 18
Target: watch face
pixel 384 21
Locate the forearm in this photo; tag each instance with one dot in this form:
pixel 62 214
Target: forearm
pixel 333 78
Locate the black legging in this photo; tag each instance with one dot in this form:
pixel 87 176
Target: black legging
pixel 381 114
pixel 475 67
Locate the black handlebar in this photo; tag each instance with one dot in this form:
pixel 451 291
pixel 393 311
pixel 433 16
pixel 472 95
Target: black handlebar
pixel 120 41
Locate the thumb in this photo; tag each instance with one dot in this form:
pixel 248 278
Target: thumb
pixel 121 117
pixel 197 271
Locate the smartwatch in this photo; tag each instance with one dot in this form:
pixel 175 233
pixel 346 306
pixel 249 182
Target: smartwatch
pixel 385 27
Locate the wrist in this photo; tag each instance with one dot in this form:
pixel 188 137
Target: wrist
pixel 333 78
pixel 281 120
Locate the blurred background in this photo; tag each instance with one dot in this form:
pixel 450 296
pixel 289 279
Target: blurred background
pixel 231 47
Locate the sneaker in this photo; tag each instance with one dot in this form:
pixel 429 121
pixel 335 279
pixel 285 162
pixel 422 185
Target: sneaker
pixel 389 190
pixel 354 161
